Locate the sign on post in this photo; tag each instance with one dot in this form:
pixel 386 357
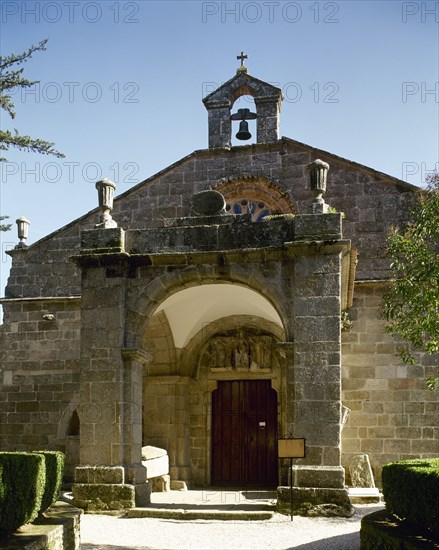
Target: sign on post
pixel 293 447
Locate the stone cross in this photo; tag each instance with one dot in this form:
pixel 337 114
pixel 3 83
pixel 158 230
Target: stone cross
pixel 242 57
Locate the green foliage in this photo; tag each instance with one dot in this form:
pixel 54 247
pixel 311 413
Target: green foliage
pixel 411 305
pixel 22 483
pixel 54 461
pixel 4 226
pixel 11 76
pixel 411 491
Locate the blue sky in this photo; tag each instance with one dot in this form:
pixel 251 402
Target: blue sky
pixel 122 83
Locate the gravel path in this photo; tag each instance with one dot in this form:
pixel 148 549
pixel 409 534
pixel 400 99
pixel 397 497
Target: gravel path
pixel 99 532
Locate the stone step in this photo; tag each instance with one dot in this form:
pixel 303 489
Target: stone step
pixel 202 513
pixel 359 495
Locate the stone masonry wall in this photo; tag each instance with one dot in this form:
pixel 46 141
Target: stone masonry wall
pixel 372 202
pixel 39 376
pixel 39 359
pixel 393 414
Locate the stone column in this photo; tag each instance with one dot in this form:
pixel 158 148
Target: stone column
pixel 110 474
pixel 220 125
pixel 317 370
pixel 314 381
pixel 267 123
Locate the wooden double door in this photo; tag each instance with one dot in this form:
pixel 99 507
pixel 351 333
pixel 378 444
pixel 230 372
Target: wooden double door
pixel 244 434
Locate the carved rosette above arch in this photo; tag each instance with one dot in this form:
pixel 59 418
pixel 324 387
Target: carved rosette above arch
pixel 255 195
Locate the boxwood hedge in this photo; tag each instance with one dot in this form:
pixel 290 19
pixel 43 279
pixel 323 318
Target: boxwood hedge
pixel 29 485
pixel 22 484
pixel 411 491
pixel 54 461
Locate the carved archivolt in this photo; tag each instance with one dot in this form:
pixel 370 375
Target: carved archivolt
pixel 257 196
pixel 240 352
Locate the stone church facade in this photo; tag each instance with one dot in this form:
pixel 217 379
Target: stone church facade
pixel 210 310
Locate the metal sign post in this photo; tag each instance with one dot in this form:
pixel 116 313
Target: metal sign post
pixel 293 447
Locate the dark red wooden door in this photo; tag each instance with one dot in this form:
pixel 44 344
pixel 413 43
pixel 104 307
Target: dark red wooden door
pixel 244 426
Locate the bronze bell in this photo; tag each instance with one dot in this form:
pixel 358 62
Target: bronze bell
pixel 243 132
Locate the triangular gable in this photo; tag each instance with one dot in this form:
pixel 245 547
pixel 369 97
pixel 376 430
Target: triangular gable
pixel 232 89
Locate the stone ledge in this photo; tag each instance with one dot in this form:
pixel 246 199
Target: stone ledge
pixel 204 514
pixel 58 529
pixel 382 530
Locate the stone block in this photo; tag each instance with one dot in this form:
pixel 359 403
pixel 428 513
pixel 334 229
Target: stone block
pixel 103 240
pixel 361 471
pixel 178 485
pixel 97 497
pixel 161 484
pixel 100 474
pixel 323 226
pixel 318 476
pixel 142 493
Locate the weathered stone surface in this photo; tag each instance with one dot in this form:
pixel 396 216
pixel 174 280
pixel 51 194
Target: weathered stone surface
pixel 208 203
pixel 95 497
pixel 100 474
pixel 360 471
pixel 314 502
pixel 318 476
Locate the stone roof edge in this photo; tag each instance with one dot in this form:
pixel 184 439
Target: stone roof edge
pixel 197 152
pixel 116 199
pixel 235 77
pixel 400 183
pixel 69 298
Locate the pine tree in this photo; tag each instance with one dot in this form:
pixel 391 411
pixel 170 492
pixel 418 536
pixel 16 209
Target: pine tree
pixel 11 76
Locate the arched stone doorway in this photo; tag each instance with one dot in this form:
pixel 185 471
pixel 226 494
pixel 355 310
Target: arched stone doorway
pixel 203 340
pixel 299 264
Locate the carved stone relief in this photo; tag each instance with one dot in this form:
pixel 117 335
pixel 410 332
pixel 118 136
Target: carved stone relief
pixel 239 352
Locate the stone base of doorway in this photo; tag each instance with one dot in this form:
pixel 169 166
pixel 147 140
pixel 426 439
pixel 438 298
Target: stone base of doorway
pixel 314 501
pixel 59 528
pixel 210 503
pixel 382 530
pixel 183 514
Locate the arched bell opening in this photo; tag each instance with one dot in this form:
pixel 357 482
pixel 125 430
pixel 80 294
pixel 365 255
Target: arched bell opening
pixel 222 104
pixel 244 120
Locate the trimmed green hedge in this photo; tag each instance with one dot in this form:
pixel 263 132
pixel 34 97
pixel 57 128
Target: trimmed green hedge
pixel 29 485
pixel 411 491
pixel 22 484
pixel 54 474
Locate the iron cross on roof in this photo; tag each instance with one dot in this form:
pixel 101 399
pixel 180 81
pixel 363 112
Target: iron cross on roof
pixel 242 57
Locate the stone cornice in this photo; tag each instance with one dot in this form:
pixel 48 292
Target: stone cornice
pixel 74 298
